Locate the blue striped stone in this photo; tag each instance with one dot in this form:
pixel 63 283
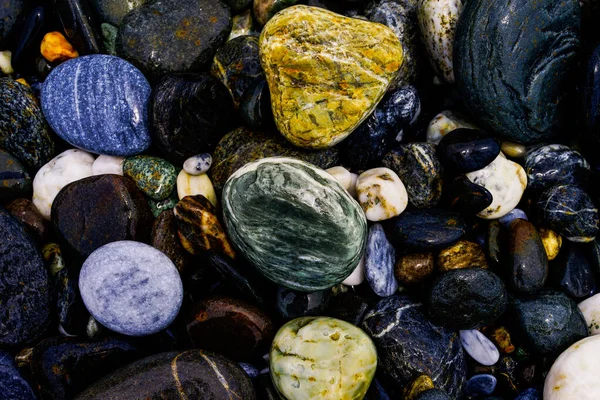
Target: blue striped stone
pixel 99 103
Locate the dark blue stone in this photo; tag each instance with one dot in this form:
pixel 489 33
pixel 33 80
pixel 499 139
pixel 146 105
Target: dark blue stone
pixel 29 40
pixel 529 394
pixel 99 103
pixel 433 394
pixel 250 370
pixel 293 304
pixel 593 95
pixel 348 306
pixel 511 216
pixel 466 150
pixel 573 273
pixel 9 11
pixel 14 179
pixel 568 210
pixel 466 197
pixel 380 257
pixel 12 385
pixel 376 391
pixel 481 385
pixel 555 164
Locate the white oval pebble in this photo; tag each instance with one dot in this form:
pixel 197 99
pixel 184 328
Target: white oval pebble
pixel 590 308
pixel 191 185
pixel 479 347
pixel 342 175
pixel 381 194
pixel 67 167
pixel 444 123
pixel 505 180
pixel 198 164
pixel 5 62
pixel 108 165
pixel 574 374
pixel 357 276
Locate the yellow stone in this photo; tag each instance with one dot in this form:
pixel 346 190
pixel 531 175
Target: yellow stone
pixel 191 185
pixel 463 254
pixel 326 72
pixel 513 149
pixel 418 386
pixel 55 47
pixel 552 242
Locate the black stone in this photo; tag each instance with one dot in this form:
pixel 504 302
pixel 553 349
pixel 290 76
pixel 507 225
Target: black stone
pixel 466 150
pixel 189 114
pixel 238 5
pixel 573 273
pixel 376 391
pixel 72 314
pixel 526 260
pixel 592 96
pixel 432 228
pixel 79 25
pixel 348 306
pixel 494 243
pixel 293 304
pixel 467 298
pixel 466 197
pixel 14 179
pixel 555 164
pixel 27 44
pixel 511 75
pixel 409 344
pixel 549 322
pixel 255 106
pixel 265 389
pixel 433 394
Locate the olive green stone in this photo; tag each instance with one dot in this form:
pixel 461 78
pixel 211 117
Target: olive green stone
pixel 153 175
pixel 322 357
pixel 294 222
pixel 109 37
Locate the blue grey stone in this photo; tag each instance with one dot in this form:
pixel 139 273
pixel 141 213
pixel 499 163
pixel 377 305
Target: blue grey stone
pixel 481 385
pixel 131 288
pixel 511 216
pixel 479 347
pixel 379 262
pixel 12 385
pixel 250 370
pixel 529 394
pixel 99 103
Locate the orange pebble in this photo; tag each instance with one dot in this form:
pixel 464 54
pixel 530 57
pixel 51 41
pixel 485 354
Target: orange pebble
pixel 55 47
pixel 23 81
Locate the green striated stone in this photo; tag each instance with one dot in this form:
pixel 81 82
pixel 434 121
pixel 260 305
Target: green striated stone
pixel 158 206
pixel 322 357
pixel 294 222
pixel 153 175
pixel 242 146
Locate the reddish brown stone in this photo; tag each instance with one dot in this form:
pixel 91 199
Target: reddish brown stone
pixel 25 211
pixel 414 268
pixel 164 237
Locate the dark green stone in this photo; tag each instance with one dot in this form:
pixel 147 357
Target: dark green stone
pixel 158 206
pixel 14 179
pixel 109 38
pixel 294 223
pixel 153 175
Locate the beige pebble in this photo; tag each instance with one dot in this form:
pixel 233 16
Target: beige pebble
pixel 381 194
pixel 191 185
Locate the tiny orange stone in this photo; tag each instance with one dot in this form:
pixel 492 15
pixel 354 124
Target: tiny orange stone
pixel 55 47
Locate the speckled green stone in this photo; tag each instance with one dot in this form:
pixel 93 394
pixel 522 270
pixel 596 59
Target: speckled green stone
pixel 158 206
pixel 294 222
pixel 109 38
pixel 153 175
pixel 323 358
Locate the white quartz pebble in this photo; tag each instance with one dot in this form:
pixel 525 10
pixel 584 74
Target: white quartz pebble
pixel 444 123
pixel 198 164
pixel 108 165
pixel 505 180
pixel 342 175
pixel 381 194
pixel 191 185
pixel 574 374
pixel 5 62
pixel 479 347
pixel 357 276
pixel 590 308
pixel 67 167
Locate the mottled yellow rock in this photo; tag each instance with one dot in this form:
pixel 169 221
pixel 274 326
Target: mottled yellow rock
pixel 463 254
pixel 552 242
pixel 325 72
pixel 420 384
pixel 55 47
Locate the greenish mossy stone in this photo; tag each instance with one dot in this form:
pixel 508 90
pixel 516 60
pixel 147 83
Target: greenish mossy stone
pixel 153 175
pixel 158 206
pixel 109 38
pixel 294 222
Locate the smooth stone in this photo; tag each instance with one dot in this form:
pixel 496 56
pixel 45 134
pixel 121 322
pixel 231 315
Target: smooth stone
pixel 420 384
pixel 357 276
pixel 264 10
pixel 115 209
pixel 481 385
pixel 300 71
pixel 549 322
pixel 379 262
pixel 516 91
pixel 15 181
pixel 529 394
pixel 437 24
pixel 432 228
pixel 381 194
pixel 292 304
pixel 467 298
pixel 27 213
pixel 131 288
pixel 466 197
pixel 309 354
pixel 25 294
pixel 109 38
pixel 414 268
pixel 98 103
pixel 158 206
pixel 409 344
pixel 527 262
pixel 113 11
pixel 479 347
pixel 495 243
pixel 376 391
pixel 8 15
pixel 5 62
pixel 229 327
pixel 34 24
pixel 165 238
pixel 342 175
pixel 552 242
pixel 108 165
pixel 573 374
pixel 237 65
pixel 320 231
pixel 433 394
pixel 592 95
pixel 243 24
pixel 186 34
pixel 255 106
pixel 154 176
pixel 199 228
pixel 193 374
pixel 24 132
pixel 573 272
pixel 193 185
pixel 513 149
pixel 250 370
pixel 56 48
pixel 505 180
pixel 511 216
pixel 79 23
pixel 590 308
pixel 444 123
pixel 242 146
pixel 420 170
pixel 67 167
pixel 198 164
pixel 12 384
pixel 467 150
pixel 555 164
pixel 348 306
pixel 570 212
pixel 462 254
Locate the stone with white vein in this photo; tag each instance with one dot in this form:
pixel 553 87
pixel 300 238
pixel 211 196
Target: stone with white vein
pixel 479 347
pixel 381 194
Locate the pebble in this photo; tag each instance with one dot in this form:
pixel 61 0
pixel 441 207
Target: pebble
pixel 308 354
pixel 573 272
pixel 198 164
pixel 27 213
pixel 56 48
pixel 15 181
pixel 9 15
pixel 462 254
pixel 467 150
pixel 334 40
pixel 292 304
pixel 154 176
pixel 414 268
pixel 114 95
pixel 255 106
pixel 513 149
pixel 379 262
pixel 466 197
pixel 590 308
pixel 481 385
pixel 12 385
pixel 131 288
pixel 79 24
pixel 479 347
pixel 108 165
pixel 165 238
pixel 264 10
pixel 555 164
pixel 342 175
pixel 529 394
pixel 505 180
pixel 319 235
pixel 192 185
pixel 526 261
pixel 113 11
pixel 444 123
pixel 419 385
pixel 158 206
pixel 357 276
pixel 570 212
pixel 5 65
pixel 381 194
pixel 67 167
pixel 516 213
pixel 109 38
pixel 243 24
pixel 552 242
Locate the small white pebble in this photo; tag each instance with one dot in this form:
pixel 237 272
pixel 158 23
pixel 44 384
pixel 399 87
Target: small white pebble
pixel 381 194
pixel 342 175
pixel 357 276
pixel 198 164
pixel 108 165
pixel 5 62
pixel 444 123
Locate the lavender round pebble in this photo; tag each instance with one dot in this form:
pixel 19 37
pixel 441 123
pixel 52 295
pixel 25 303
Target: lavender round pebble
pixel 131 288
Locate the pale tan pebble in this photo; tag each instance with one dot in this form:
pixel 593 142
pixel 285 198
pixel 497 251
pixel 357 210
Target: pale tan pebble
pixel 108 165
pixel 381 194
pixel 552 242
pixel 190 185
pixel 444 123
pixel 342 175
pixel 5 62
pixel 513 149
pixel 590 308
pixel 357 276
pixel 352 189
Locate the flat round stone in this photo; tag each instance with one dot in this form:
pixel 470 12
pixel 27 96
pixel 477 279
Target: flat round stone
pixel 131 288
pixel 294 222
